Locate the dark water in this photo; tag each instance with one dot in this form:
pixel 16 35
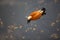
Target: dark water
pixel 13 25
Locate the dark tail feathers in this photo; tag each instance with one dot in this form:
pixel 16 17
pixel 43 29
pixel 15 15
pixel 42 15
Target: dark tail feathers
pixel 28 21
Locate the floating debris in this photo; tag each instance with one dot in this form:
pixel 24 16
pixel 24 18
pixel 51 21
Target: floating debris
pixel 20 26
pixel 57 21
pixel 15 28
pixel 33 29
pixel 9 31
pixel 58 29
pixel 1 23
pixel 35 25
pixel 53 23
pixel 23 37
pixel 26 30
pixel 11 27
pixel 54 36
pixel 11 36
pixel 41 31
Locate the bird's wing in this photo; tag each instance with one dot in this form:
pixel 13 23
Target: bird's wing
pixel 33 13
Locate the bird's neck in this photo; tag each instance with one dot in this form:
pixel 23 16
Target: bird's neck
pixel 40 11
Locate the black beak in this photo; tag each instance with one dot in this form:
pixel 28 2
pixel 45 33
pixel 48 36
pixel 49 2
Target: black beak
pixel 43 11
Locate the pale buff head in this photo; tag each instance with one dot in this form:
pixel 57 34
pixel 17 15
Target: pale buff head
pixel 29 17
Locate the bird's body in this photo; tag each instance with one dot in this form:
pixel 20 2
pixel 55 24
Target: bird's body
pixel 35 15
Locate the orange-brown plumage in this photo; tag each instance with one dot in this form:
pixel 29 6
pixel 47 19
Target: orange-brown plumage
pixel 36 15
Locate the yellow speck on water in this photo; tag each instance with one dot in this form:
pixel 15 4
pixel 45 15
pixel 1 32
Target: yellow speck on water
pixel 15 27
pixel 42 31
pixel 20 26
pixel 34 29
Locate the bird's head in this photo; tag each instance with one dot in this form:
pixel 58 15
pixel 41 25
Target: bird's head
pixel 43 9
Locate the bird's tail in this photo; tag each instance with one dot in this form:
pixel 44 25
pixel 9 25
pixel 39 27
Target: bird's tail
pixel 28 21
